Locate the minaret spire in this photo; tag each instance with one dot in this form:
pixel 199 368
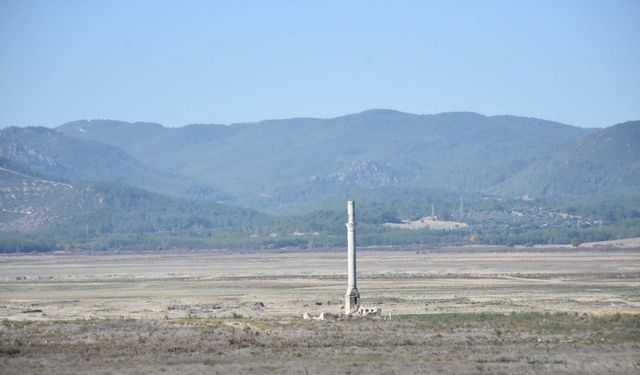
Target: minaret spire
pixel 352 297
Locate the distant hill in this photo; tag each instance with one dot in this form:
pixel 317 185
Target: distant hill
pixel 31 204
pixel 607 162
pixel 105 184
pixel 44 151
pixel 28 203
pixel 278 164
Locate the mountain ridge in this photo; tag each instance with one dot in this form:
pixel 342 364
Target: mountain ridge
pixel 32 204
pixel 263 158
pixel 604 162
pixel 47 152
pixel 288 180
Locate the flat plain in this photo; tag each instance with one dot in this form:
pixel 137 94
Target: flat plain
pixel 444 310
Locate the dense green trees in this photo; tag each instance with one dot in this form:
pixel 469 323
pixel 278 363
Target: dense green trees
pixel 128 218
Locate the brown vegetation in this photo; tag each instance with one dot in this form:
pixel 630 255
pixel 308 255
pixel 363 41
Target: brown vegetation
pixel 452 311
pixel 450 343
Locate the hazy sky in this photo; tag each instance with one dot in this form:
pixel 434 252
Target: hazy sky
pixel 180 62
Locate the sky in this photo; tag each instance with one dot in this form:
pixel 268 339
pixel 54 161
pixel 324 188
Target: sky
pixel 181 62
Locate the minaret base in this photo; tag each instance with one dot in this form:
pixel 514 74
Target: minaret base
pixel 351 301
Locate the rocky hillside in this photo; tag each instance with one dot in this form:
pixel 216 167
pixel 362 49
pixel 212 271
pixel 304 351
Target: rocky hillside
pixel 28 203
pixel 46 152
pixel 32 204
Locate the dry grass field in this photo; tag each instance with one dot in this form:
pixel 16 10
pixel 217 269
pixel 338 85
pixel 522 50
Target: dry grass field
pixel 453 310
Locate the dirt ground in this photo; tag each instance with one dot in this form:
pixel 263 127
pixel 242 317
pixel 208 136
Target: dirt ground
pixel 452 310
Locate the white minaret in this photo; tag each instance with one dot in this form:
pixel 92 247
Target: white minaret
pixel 352 297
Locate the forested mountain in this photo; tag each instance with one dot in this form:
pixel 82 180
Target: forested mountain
pixel 46 152
pixel 278 164
pixel 505 179
pixel 607 162
pixel 33 207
